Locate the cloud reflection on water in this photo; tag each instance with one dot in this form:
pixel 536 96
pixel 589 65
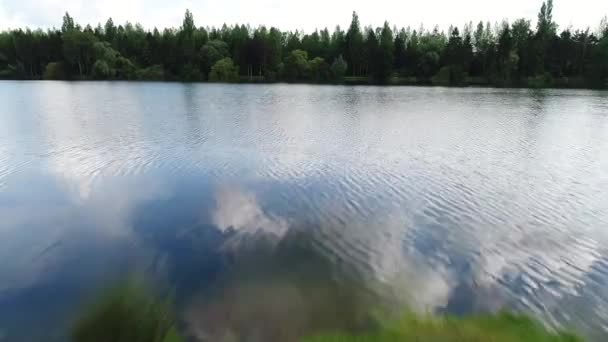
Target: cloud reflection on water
pixel 308 278
pixel 66 244
pixel 239 210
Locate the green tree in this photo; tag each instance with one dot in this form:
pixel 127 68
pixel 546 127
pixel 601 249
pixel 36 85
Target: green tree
pixel 454 58
pixel 54 71
pixel 312 44
pixel 296 66
pixel 78 50
pixel 187 47
pixel 522 42
pixel 188 23
pixel 104 51
pixel 545 31
pixel 25 46
pixel 546 28
pixel 101 69
pixel 384 68
pixel 400 51
pixel 191 73
pixel 68 23
pixel 597 72
pixel 274 52
pixel 125 69
pixel 110 30
pixel 320 71
pixel 338 43
pixel 224 70
pixel 429 49
pixel 151 73
pixel 371 54
pixel 338 69
pixel 412 54
pixel 212 52
pixel 354 45
pixel 507 56
pixel 293 41
pixel 326 49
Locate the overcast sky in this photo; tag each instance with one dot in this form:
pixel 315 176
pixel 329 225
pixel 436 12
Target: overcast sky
pixel 289 14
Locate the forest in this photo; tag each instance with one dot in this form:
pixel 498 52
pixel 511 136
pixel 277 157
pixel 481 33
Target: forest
pixel 517 54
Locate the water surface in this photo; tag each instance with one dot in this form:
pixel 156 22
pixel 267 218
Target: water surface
pixel 276 210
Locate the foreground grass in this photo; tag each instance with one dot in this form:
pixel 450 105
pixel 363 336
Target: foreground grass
pixel 126 313
pixel 503 327
pixel 131 313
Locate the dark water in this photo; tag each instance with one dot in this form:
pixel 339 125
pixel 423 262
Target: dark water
pixel 276 210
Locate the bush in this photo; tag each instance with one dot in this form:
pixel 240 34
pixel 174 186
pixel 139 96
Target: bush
pixel 212 52
pixel 125 70
pixel 101 70
pixel 151 73
pixel 8 73
pixel 224 70
pixel 338 69
pixel 270 76
pixel 540 81
pixel 442 77
pixel 54 71
pixel 296 65
pixel 450 75
pixel 191 73
pixel 319 70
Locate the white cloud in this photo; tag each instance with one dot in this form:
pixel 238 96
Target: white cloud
pixel 240 210
pixel 289 15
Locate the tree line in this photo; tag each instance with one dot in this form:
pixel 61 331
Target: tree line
pixel 502 54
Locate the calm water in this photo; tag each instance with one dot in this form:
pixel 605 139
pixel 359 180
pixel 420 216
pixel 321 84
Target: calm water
pixel 275 210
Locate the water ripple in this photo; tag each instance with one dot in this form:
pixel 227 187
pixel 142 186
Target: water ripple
pixel 415 191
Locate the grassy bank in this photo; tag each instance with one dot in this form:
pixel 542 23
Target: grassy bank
pixel 130 312
pixel 503 327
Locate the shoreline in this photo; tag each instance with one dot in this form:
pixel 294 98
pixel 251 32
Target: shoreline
pixel 352 81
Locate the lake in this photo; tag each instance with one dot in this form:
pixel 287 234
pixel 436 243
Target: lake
pixel 276 210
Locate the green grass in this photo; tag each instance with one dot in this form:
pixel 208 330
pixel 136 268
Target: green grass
pixel 503 327
pixel 126 313
pixel 132 313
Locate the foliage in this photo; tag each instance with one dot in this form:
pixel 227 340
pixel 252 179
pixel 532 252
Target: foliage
pixel 385 58
pixel 353 42
pixel 224 70
pixel 191 73
pixel 151 73
pixel 10 72
pixel 296 66
pixel 504 54
pixel 212 52
pixel 125 69
pixel 78 50
pixel 443 76
pixel 540 81
pixel 503 327
pixel 101 69
pixel 54 71
pixel 338 68
pixel 126 313
pixel 319 70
